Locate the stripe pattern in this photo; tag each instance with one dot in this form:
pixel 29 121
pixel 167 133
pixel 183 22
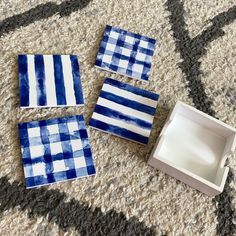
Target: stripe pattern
pixel 55 150
pixel 49 81
pixel 126 53
pixel 125 111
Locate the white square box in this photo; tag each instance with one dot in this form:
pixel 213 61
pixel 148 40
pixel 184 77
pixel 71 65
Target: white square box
pixel 193 148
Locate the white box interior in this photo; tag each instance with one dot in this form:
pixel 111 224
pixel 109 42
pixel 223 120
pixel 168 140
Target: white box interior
pixel 196 144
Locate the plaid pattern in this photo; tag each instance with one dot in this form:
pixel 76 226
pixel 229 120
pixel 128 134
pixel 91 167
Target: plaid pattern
pixel 55 150
pixel 126 53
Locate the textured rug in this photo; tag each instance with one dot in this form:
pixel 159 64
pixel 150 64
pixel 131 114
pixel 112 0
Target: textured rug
pixel 194 62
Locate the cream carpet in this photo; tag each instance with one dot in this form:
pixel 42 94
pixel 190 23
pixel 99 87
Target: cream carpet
pixel 195 62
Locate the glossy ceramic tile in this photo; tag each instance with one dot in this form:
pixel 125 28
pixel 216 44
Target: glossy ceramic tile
pixel 125 111
pixel 126 53
pixel 55 150
pixel 49 81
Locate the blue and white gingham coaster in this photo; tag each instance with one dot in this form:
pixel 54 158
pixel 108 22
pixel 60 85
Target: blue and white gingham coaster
pixel 126 53
pixel 55 150
pixel 49 81
pixel 125 111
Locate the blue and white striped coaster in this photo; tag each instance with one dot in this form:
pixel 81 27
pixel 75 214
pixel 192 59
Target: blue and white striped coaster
pixel 125 111
pixel 55 150
pixel 49 81
pixel 126 53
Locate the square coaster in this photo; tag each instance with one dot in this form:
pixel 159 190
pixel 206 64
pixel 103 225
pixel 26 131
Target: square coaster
pixel 49 81
pixel 125 111
pixel 55 150
pixel 126 53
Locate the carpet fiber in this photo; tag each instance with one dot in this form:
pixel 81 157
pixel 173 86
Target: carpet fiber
pixel 194 62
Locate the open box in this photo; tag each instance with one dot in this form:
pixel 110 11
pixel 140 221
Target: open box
pixel 193 148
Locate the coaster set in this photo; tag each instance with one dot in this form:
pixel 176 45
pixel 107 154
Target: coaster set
pixel 58 149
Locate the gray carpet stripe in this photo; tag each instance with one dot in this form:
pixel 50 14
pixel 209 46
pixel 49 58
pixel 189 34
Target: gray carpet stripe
pixel 40 12
pixel 225 212
pixel 51 204
pixel 191 50
pixel 190 55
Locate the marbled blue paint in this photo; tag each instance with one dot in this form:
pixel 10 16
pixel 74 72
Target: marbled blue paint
pixel 59 80
pixel 128 103
pixel 118 131
pixel 76 78
pixel 40 78
pixel 120 116
pixel 47 157
pixel 132 89
pixel 66 146
pixel 23 80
